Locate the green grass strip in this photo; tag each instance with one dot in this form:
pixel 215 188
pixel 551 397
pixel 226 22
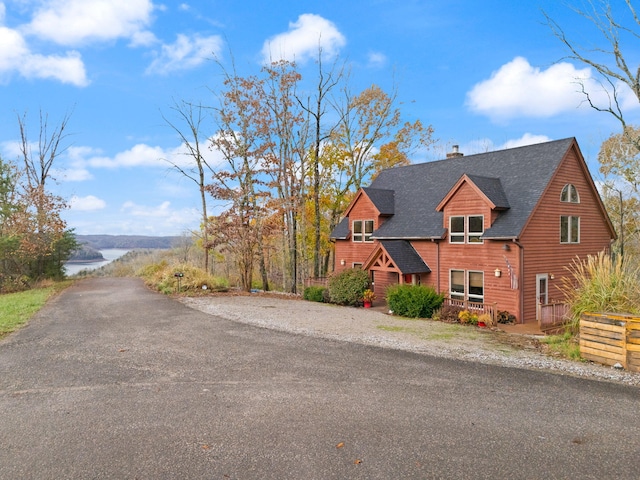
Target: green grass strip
pixel 17 308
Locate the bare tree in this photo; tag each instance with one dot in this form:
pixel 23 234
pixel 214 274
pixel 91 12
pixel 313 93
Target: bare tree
pixel 192 116
pixel 316 107
pixel 610 60
pixel 50 146
pixel 39 158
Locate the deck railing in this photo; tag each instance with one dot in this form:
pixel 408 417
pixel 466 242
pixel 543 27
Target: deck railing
pixel 552 315
pixel 475 307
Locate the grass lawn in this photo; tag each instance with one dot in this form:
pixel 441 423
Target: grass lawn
pixel 17 308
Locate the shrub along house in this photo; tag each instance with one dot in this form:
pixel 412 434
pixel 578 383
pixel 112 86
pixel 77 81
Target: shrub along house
pixel 496 228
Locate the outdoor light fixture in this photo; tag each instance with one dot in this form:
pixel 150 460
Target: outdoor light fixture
pixel 506 247
pixel 551 276
pixel 343 262
pixel 497 272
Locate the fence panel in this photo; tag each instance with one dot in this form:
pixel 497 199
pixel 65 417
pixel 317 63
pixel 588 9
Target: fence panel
pixel 611 338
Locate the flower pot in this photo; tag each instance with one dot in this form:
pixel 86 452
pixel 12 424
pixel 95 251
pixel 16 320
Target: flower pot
pixel 367 304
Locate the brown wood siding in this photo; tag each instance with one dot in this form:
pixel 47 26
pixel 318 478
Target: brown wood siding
pixel 381 281
pixel 356 252
pixel 484 257
pixel 543 252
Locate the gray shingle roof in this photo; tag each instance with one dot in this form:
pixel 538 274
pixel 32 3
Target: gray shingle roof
pixel 492 188
pixel 405 257
pixel 341 232
pixel 523 174
pixel 383 200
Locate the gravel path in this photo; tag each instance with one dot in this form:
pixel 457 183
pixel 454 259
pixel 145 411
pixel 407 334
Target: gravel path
pixel 372 327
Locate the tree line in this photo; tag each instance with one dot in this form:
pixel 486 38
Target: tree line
pixel 291 157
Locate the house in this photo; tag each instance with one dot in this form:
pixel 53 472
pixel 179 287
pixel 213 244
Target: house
pixel 496 228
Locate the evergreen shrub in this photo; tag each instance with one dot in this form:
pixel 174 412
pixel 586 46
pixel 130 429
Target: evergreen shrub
pixel 314 294
pixel 348 286
pixel 413 301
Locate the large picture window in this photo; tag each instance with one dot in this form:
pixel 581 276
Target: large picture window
pixel 466 285
pixel 466 229
pixel 362 230
pixel 569 229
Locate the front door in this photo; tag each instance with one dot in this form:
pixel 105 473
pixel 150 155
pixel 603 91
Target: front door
pixel 542 292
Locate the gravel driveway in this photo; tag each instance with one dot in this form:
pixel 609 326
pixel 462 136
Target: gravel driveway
pixel 372 327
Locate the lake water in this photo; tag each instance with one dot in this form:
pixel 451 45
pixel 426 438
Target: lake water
pixel 109 254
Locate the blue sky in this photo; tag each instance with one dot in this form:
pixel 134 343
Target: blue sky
pixel 486 75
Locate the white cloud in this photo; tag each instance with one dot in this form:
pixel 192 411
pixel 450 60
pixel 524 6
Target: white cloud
pixel 187 52
pixel 484 145
pixel 15 56
pixel 519 89
pixel 77 22
pixel 376 59
pixel 164 217
pixel 89 203
pixel 141 155
pixel 526 139
pixel 303 39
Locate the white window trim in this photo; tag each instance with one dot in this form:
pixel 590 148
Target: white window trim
pixel 465 233
pixel 571 219
pixel 568 187
pixel 363 234
pixel 468 286
pixel 464 284
pixel 476 298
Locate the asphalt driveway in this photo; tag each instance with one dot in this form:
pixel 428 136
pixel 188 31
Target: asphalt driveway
pixel 111 380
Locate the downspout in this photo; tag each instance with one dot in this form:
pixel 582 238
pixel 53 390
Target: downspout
pixel 521 281
pixel 437 265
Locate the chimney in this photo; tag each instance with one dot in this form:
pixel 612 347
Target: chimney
pixel 455 152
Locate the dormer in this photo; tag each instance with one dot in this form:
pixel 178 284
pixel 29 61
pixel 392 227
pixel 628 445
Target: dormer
pixel 488 188
pixel 471 206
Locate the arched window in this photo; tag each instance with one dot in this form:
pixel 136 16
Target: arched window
pixel 569 194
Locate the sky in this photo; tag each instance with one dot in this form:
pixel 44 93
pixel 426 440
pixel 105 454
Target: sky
pixel 486 75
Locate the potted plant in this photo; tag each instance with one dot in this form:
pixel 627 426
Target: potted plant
pixel 485 320
pixel 368 296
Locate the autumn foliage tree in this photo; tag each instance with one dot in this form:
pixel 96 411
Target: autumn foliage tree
pixel 292 158
pixel 34 239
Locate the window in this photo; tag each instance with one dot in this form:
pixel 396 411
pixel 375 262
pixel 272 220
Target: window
pixel 457 285
pixel 456 229
pixel 569 194
pixel 467 285
pixel 476 287
pixel 569 229
pixel 476 228
pixel 362 230
pixel 466 229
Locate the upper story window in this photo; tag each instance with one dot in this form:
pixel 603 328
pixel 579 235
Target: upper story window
pixel 467 229
pixel 569 229
pixel 569 194
pixel 362 230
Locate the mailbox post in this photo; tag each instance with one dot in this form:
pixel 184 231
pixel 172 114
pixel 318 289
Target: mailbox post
pixel 179 276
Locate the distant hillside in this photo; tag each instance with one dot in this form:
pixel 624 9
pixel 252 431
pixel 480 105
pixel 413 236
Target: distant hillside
pixel 86 253
pixel 100 242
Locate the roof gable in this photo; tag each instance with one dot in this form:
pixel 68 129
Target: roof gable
pixel 404 257
pixel 523 174
pixel 382 200
pixel 489 188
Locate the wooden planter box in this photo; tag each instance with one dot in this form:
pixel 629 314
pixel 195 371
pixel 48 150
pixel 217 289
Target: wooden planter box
pixel 610 339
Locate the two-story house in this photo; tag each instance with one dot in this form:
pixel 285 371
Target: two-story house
pixel 496 228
